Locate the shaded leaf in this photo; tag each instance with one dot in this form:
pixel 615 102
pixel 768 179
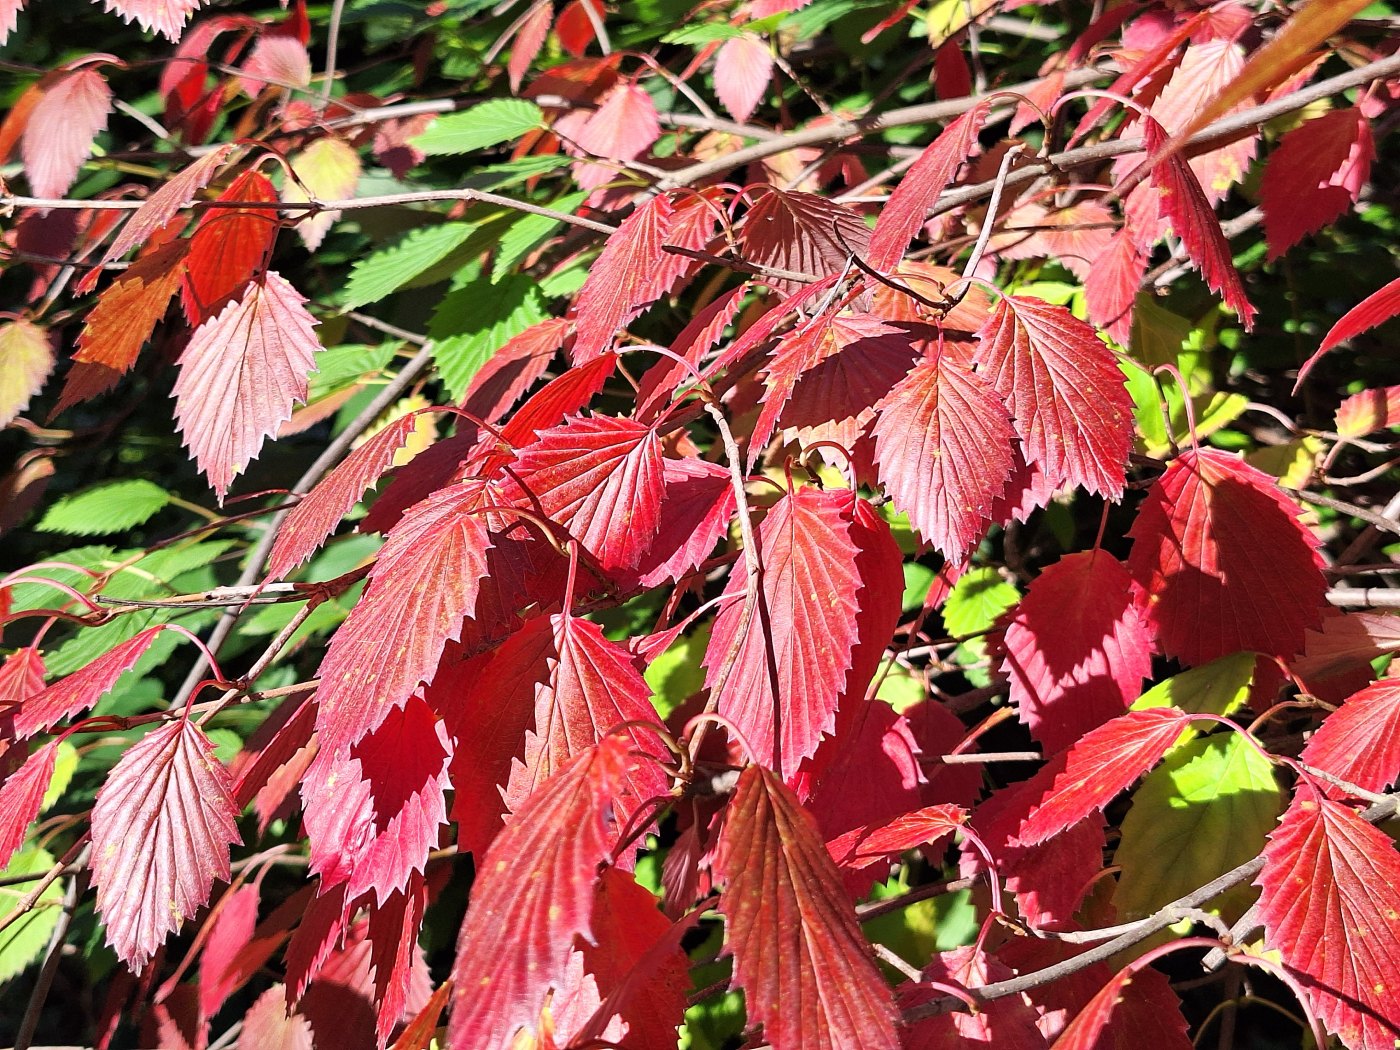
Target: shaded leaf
pixel 801 232
pixel 1132 1010
pixel 695 514
pixel 161 830
pixel 472 323
pixel 1008 1022
pixel 1360 741
pixel 27 935
pixel 231 930
pixel 269 1026
pixel 1316 173
pixel 807 972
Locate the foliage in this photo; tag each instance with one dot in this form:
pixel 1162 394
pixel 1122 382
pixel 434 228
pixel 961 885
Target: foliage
pixel 810 524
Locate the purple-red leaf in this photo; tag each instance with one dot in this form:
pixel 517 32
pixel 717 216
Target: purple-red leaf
pixel 1076 650
pixel 161 830
pixel 425 581
pixel 21 795
pixel 166 202
pixel 231 930
pixel 808 974
pixel 1378 307
pixel 802 232
pixel 240 376
pixel 1328 907
pixel 1360 741
pixel 1131 1011
pixel 82 688
pixel 632 271
pixel 784 700
pixel 1316 173
pixel 1224 563
pixel 1104 762
pixel 1069 402
pixel 695 513
pixel 533 897
pixel 1008 1022
pixel 943 446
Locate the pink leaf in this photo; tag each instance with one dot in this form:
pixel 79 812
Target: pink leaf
pixel 1076 651
pixel 806 549
pixel 1111 288
pixel 21 795
pixel 268 1026
pixel 282 60
pixel 81 689
pixel 533 896
pixel 1368 411
pixel 908 206
pixel 943 446
pixel 1068 400
pixel 631 272
pixel 167 17
pixel 807 972
pixel 9 18
pixel 21 677
pixel 425 580
pixel 167 202
pixel 1360 741
pixel 240 376
pixel 743 67
pixel 1316 173
pixel 1223 562
pixel 62 128
pixel 161 830
pixel 528 41
pixel 1104 762
pixel 1378 307
pixel 230 932
pixel 1327 905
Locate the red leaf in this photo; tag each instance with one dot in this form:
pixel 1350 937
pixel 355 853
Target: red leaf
pixel 574 26
pixel 702 334
pixel 21 795
pixel 1378 307
pixel 743 67
pixel 1184 204
pixel 240 376
pixel 601 478
pixel 268 1026
pixel 167 202
pixel 1120 1019
pixel 395 957
pixel 229 247
pixel 373 813
pixel 1327 905
pixel 513 369
pixel 1111 288
pixel 631 272
pixel 127 312
pixel 1076 651
pixel 62 127
pixel 864 847
pixel 806 549
pixel 229 934
pixel 695 514
pixel 532 897
pixel 320 510
pixel 594 689
pixel 21 677
pixel 81 689
pixel 1068 400
pixel 424 582
pixel 1368 411
pixel 943 447
pixel 1104 762
pixel 167 17
pixel 807 972
pixel 1360 741
pixel 161 830
pixel 909 204
pixel 528 41
pixel 1316 173
pixel 802 232
pixel 276 61
pixel 1008 1022
pixel 1224 563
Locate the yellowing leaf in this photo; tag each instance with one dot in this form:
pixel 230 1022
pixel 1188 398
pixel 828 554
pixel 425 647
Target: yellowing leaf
pixel 327 170
pixel 26 359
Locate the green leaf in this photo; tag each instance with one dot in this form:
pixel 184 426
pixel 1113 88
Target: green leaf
pixel 65 762
pixel 702 33
pixel 24 940
pixel 1220 687
pixel 973 605
pixel 388 270
pixel 111 507
pixel 339 366
pixel 918 578
pixel 676 674
pixel 488 124
pixel 527 231
pixel 474 322
pixel 1206 809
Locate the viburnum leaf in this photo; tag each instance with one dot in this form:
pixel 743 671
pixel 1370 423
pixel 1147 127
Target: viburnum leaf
pixel 943 448
pixel 21 677
pixel 807 972
pixel 1327 905
pixel 487 124
pixel 602 479
pixel 61 130
pixel 1110 290
pixel 328 169
pixel 26 359
pixel 696 511
pixel 9 18
pixel 1376 308
pixel 83 688
pixel 595 688
pixel 621 128
pixel 1223 561
pixel 1069 402
pixel 277 60
pixel 528 41
pixel 743 68
pixel 806 549
pixel 240 376
pixel 228 247
pixel 127 312
pixel 1336 659
pixel 269 1024
pixel 802 232
pixel 864 846
pixel 513 369
pixel 631 272
pixel 316 515
pixel 373 813
pixel 1086 777
pixel 1316 173
pixel 1183 203
pixel 166 202
pixel 574 27
pixel 1008 1022
pixel 229 933
pixel 167 17
pixel 161 830
pixel 1131 1011
pixel 400 972
pixel 1076 650
pixel 1360 741
pixel 424 582
pixel 532 899
pixel 909 203
pixel 21 795
pixel 1369 411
